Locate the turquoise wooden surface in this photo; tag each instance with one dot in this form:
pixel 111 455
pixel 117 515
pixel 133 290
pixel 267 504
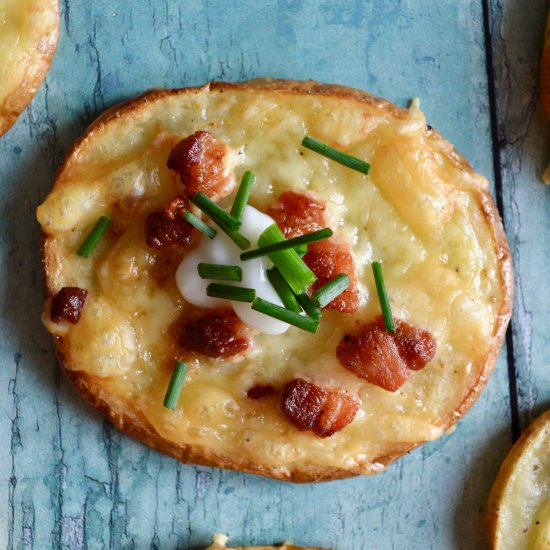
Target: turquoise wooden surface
pixel 522 150
pixel 67 479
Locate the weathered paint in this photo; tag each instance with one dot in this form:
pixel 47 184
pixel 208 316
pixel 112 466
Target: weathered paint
pixel 522 149
pixel 67 479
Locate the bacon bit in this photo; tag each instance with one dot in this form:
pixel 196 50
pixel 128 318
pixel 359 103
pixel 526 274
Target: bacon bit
pixel 218 334
pixel 167 227
pixel 339 411
pixel 257 392
pixel 383 358
pixel 297 214
pixel 175 208
pixel 67 304
pixel 204 163
pixel 416 346
pixel 327 259
pixel 373 354
pixel 310 407
pixel 303 403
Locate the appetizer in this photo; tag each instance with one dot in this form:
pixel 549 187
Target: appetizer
pixel 28 39
pixel 220 543
pixel 519 505
pixel 286 278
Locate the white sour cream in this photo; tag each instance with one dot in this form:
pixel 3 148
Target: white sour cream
pixel 222 250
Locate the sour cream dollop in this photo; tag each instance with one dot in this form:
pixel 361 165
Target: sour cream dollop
pixel 222 250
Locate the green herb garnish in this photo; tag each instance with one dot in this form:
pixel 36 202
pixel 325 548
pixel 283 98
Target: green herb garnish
pixel 283 290
pixel 242 195
pixel 301 250
pixel 229 292
pixel 94 236
pixel 383 296
pixel 310 309
pixel 238 238
pixel 215 212
pixel 295 272
pixel 336 155
pixel 197 223
pixel 218 272
pixel 174 387
pixel 328 292
pixel 285 315
pixel 318 235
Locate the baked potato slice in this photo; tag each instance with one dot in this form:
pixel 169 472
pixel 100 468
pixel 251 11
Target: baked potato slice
pixel 519 504
pixel 220 543
pixel 421 210
pixel 28 38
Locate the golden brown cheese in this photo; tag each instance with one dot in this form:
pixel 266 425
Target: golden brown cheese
pixel 519 506
pixel 421 211
pixel 28 36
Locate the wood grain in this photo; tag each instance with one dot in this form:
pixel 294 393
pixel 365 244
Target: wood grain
pixel 67 478
pixel 521 147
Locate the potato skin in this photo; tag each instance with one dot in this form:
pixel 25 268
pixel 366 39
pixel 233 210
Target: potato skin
pixel 121 413
pixel 220 543
pixel 14 103
pixel 509 469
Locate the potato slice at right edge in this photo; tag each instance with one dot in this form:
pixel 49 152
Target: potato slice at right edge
pixel 519 505
pixel 220 542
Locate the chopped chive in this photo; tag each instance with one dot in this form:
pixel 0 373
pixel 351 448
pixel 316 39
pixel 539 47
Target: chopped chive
pixel 310 309
pixel 318 235
pixel 383 296
pixel 220 272
pixel 242 195
pixel 94 236
pixel 215 212
pixel 295 272
pixel 238 238
pixel 301 249
pixel 328 292
pixel 336 155
pixel 175 385
pixel 197 223
pixel 229 292
pixel 285 315
pixel 283 290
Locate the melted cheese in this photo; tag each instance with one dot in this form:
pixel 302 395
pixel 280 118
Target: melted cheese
pixel 418 211
pixel 22 24
pixel 524 487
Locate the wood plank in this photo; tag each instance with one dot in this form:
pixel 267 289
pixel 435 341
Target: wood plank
pixel 522 138
pixel 80 484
